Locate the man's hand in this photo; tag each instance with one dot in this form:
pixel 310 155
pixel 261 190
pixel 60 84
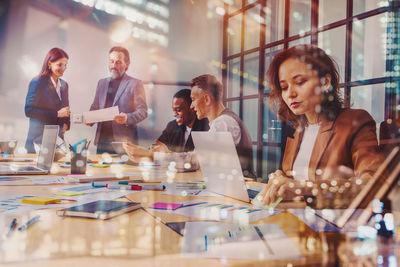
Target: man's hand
pixel 136 153
pixel 87 123
pixel 64 129
pixel 160 147
pixel 121 118
pixel 63 113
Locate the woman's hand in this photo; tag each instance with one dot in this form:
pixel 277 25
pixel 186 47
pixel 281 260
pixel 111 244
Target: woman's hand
pixel 160 147
pixel 136 153
pixel 279 185
pixel 64 112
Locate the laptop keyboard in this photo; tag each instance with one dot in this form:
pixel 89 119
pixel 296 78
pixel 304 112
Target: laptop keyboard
pixel 252 193
pixel 4 168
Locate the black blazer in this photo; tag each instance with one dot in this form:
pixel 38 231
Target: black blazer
pixel 174 135
pixel 41 106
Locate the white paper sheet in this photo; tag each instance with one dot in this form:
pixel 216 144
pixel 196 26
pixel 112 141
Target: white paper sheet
pixel 231 241
pixel 106 114
pixel 218 211
pixel 50 180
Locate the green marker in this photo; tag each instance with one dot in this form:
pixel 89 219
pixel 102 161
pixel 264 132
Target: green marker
pixel 274 204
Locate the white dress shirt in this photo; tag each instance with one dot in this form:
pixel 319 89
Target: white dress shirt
pixel 302 161
pixel 57 86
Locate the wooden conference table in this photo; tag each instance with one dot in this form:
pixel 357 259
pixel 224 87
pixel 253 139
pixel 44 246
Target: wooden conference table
pixel 141 238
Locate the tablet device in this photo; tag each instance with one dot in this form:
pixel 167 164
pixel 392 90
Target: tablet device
pixel 101 209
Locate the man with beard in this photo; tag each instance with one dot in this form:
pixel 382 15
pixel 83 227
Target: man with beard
pixel 125 92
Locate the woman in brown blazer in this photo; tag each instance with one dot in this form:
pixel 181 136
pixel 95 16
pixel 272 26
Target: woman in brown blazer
pixel 330 142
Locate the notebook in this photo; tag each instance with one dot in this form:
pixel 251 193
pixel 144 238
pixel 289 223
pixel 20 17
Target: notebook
pixel 101 209
pixel 45 158
pixel 220 165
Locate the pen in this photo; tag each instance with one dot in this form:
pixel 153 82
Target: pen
pixel 29 223
pixel 193 186
pixel 136 187
pixel 13 224
pixel 71 148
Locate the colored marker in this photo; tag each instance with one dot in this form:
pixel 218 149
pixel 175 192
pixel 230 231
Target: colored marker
pixel 205 242
pixel 136 187
pixel 274 204
pixel 29 223
pixel 13 224
pixel 130 181
pixel 99 184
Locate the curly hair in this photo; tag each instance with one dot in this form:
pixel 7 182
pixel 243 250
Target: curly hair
pixel 319 61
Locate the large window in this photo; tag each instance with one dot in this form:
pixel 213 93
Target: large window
pixel 361 35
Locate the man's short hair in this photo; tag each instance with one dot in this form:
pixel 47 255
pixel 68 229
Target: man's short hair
pixel 210 84
pixel 185 95
pixel 123 50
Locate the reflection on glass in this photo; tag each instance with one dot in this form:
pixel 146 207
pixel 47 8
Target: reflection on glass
pixel 234 5
pixel 250 74
pixel 252 28
pixel 331 11
pixel 250 116
pixel 234 106
pixel 255 157
pixel 269 55
pixel 361 6
pixel 272 127
pixel 334 44
pixel 274 20
pixel 250 1
pixel 271 158
pixel 234 34
pixel 300 16
pixel 371 98
pixel 369 47
pixel 233 80
pixel 305 40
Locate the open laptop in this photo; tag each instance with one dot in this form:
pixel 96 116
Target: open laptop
pixel 219 164
pixel 45 159
pixel 222 173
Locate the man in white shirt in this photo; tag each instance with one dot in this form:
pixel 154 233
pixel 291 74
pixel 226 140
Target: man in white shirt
pixel 207 102
pixel 206 97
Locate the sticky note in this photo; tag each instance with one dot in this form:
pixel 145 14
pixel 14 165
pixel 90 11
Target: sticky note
pixel 165 206
pixel 100 165
pixel 69 194
pixel 40 200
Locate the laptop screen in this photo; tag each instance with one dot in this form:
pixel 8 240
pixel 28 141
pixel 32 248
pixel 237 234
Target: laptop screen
pixel 47 148
pixel 219 164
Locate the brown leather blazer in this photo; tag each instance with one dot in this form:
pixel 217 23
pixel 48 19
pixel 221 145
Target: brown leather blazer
pixel 346 147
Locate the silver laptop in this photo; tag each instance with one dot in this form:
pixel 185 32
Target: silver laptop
pixel 45 158
pixel 219 164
